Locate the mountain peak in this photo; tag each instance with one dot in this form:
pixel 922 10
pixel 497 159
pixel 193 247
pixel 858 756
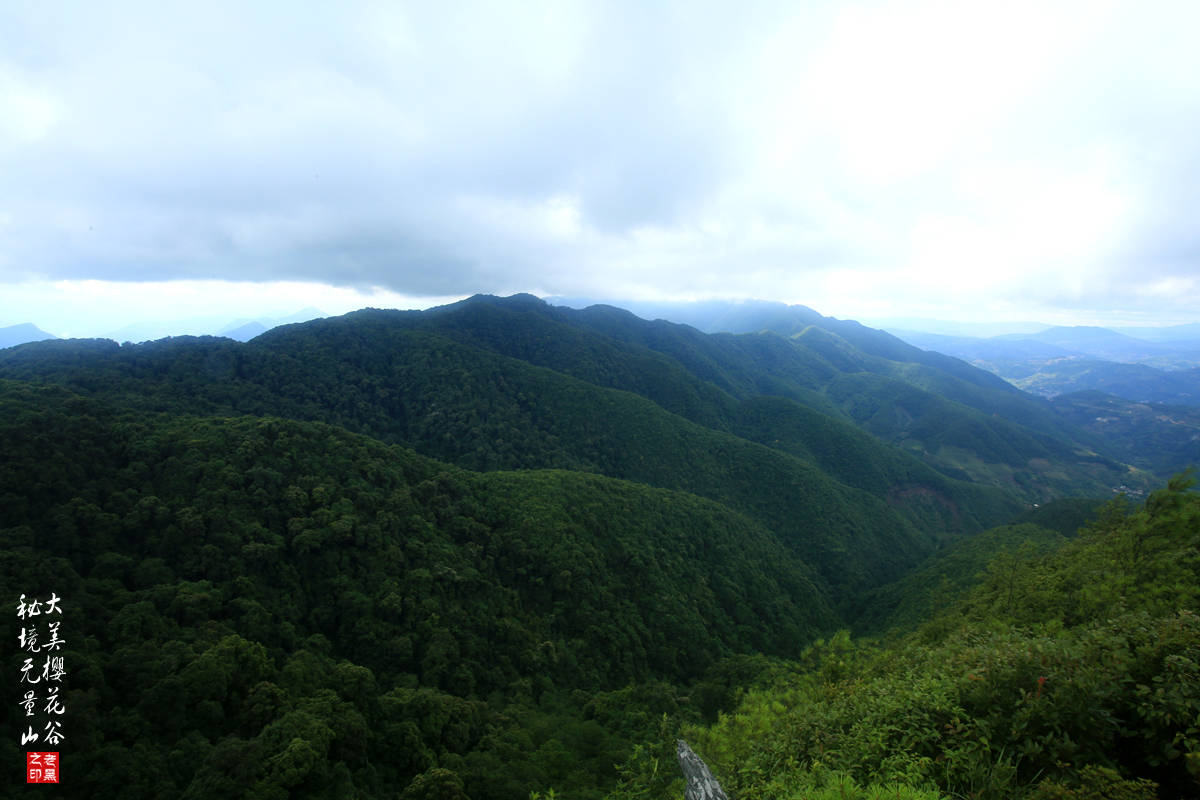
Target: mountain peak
pixel 20 334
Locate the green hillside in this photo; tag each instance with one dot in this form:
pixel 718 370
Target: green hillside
pixel 1067 674
pixel 829 372
pixel 941 580
pixel 300 600
pixel 1136 382
pixel 499 548
pixel 1163 438
pixel 701 378
pixel 380 374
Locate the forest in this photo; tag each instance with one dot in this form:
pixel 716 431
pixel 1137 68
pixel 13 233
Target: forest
pixel 503 550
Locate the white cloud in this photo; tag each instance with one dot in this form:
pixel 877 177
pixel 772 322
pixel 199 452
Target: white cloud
pixel 96 308
pixel 855 154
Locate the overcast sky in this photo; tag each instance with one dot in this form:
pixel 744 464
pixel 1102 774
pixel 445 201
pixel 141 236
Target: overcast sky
pixel 971 161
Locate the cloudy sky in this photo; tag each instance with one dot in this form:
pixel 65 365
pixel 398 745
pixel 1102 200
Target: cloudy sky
pixel 960 160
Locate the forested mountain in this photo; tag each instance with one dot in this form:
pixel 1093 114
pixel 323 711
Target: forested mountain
pixel 957 419
pixel 1072 673
pixel 1135 382
pixel 573 400
pixel 235 585
pixel 487 549
pixel 1163 438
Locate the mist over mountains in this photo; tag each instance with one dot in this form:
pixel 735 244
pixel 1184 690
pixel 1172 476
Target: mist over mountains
pixel 1162 367
pixel 241 329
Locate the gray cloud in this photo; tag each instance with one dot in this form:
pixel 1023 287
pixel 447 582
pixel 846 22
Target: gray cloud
pixel 648 149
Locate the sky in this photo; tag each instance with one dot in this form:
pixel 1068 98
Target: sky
pixel 954 160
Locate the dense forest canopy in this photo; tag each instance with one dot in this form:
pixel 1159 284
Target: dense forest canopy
pixel 499 548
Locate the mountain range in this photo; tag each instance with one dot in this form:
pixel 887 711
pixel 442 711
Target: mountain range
pixel 486 549
pixel 242 329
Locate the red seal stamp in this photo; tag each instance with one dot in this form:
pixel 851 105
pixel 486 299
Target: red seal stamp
pixel 41 768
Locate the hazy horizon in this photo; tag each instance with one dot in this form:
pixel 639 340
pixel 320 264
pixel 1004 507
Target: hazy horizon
pixel 215 323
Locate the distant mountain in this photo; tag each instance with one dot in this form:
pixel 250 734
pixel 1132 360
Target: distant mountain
pixel 245 333
pixel 1071 359
pixel 148 331
pixel 941 327
pixel 1099 343
pixel 751 316
pixel 20 334
pixel 1078 336
pixel 304 315
pixel 972 349
pixel 245 329
pixel 707 316
pixel 263 323
pixel 207 326
pixel 1167 333
pixel 1135 382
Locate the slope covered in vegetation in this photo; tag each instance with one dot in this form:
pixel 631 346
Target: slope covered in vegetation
pixel 1071 674
pixel 331 614
pixel 858 512
pixel 492 549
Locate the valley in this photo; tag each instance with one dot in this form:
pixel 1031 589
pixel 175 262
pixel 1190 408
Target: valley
pixel 502 547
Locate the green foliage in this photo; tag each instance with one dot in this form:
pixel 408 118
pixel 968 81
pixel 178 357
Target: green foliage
pixel 1108 678
pixel 331 614
pixel 1065 515
pixel 938 584
pixel 1098 783
pixel 1145 560
pixel 513 384
pixel 608 533
pixel 959 438
pixel 986 716
pixel 824 784
pixel 1161 437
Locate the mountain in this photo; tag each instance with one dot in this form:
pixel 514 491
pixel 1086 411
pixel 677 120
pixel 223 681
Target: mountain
pixel 20 334
pixel 951 415
pixel 206 326
pixel 261 324
pixel 146 331
pixel 1046 657
pixel 975 350
pixel 246 332
pixel 1098 343
pixel 303 315
pixel 1135 382
pixel 499 548
pixel 244 329
pixel 1163 438
pixel 1064 360
pixel 235 590
pixel 939 327
pixel 955 418
pixel 751 316
pixel 1166 333
pixel 846 504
